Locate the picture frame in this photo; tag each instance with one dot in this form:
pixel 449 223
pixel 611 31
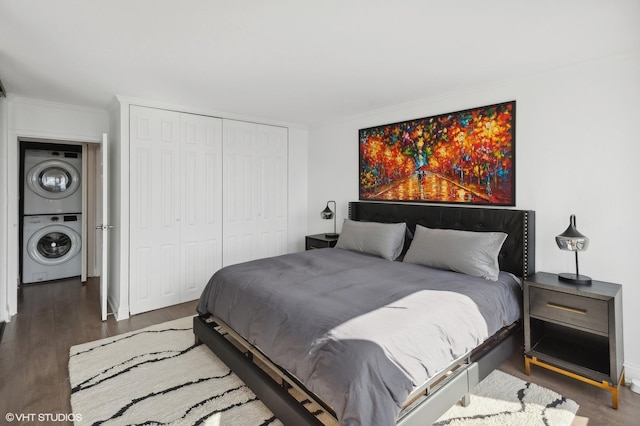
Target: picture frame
pixel 462 157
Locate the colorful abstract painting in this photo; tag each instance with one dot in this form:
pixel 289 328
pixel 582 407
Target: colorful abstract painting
pixel 461 157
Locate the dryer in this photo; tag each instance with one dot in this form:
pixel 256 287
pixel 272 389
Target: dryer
pixel 52 182
pixel 51 247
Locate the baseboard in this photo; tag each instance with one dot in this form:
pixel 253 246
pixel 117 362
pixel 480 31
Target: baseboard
pixel 631 371
pixel 121 312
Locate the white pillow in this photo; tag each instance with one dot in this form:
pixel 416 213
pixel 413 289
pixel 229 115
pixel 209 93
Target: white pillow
pixel 472 253
pixel 384 240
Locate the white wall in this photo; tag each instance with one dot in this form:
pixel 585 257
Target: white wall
pixel 48 121
pixel 298 184
pixel 577 151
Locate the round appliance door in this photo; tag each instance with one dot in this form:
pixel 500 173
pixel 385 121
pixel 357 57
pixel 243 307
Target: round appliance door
pixel 54 245
pixel 53 179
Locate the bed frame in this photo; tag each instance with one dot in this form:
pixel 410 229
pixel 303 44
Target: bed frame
pixel 440 393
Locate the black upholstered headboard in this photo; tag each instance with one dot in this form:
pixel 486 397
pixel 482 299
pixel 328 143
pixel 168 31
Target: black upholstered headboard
pixel 518 251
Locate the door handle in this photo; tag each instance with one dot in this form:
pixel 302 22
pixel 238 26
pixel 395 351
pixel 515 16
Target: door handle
pixel 104 227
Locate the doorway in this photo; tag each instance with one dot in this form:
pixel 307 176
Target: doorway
pixel 58 188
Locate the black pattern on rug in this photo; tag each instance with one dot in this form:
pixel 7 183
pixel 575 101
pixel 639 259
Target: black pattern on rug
pixel 92 381
pixel 126 373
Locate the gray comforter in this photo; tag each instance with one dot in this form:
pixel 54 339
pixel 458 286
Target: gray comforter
pixel 360 332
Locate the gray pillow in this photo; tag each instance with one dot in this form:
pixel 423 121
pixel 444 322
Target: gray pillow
pixel 384 240
pixel 472 253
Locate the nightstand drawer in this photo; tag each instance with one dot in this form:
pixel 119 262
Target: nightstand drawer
pixel 570 309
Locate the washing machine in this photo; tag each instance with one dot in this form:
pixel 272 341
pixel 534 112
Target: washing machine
pixel 52 182
pixel 51 247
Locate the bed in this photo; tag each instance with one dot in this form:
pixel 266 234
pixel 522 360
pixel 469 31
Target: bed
pixel 365 337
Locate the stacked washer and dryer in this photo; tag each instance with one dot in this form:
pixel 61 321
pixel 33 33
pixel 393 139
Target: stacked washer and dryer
pixel 52 221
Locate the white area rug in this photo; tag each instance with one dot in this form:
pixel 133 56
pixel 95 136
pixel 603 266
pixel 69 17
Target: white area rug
pixel 502 399
pixel 156 376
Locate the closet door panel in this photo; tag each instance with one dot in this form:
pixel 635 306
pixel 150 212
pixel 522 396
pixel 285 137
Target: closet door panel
pixel 201 218
pixel 155 209
pixel 255 191
pixel 272 157
pixel 240 193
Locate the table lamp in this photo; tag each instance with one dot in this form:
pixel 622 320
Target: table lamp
pixel 327 213
pixel 574 241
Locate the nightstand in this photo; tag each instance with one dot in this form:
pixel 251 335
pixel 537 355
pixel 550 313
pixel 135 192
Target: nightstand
pixel 575 330
pixel 319 241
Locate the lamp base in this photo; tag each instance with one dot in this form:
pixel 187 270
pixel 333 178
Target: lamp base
pixel 575 279
pixel 332 235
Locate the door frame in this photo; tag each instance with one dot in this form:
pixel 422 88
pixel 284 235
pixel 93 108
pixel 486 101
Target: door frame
pixel 13 204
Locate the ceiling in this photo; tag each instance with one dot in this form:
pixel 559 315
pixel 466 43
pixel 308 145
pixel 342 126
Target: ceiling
pixel 300 61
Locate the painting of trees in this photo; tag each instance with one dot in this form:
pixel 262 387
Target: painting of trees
pixel 465 156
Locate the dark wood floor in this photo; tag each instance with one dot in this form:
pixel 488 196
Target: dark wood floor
pixel 34 354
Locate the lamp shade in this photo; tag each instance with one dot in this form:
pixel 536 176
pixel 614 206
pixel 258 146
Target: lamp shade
pixel 571 239
pixel 327 213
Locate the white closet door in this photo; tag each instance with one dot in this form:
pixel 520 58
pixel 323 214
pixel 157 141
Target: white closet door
pixel 155 178
pixel 239 195
pixel 255 191
pixel 201 189
pixel 272 154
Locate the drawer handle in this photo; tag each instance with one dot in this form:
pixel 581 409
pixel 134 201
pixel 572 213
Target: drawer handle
pixel 567 308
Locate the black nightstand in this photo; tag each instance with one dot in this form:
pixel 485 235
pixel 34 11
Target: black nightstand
pixel 319 241
pixel 575 330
